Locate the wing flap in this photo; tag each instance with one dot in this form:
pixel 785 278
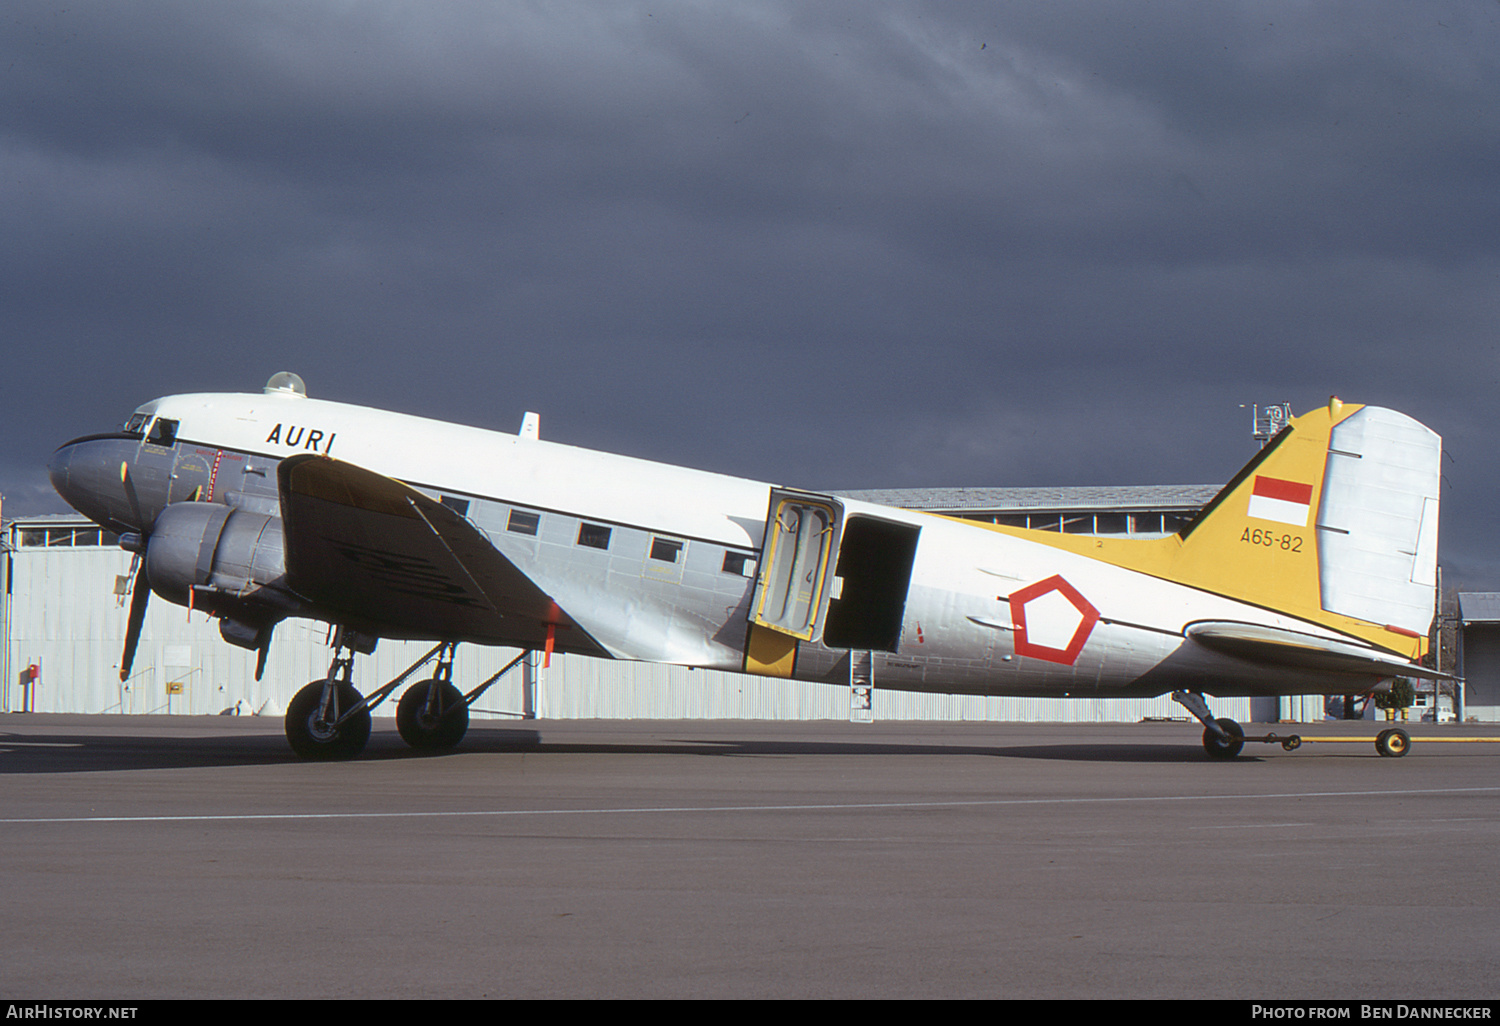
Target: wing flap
pixel 1304 651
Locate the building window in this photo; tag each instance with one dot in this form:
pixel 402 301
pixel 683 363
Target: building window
pixel 1111 523
pixel 1173 522
pixel 61 537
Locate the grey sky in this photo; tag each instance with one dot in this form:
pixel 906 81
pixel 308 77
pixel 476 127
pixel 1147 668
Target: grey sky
pixel 831 245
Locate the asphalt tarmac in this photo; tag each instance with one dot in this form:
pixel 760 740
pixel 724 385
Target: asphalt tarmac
pixel 175 857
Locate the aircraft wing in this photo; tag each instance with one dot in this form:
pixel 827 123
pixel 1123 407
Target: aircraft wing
pixel 1304 651
pixel 377 551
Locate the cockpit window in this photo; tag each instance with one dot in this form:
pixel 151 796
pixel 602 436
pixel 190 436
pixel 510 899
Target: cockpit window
pixel 136 424
pixel 163 432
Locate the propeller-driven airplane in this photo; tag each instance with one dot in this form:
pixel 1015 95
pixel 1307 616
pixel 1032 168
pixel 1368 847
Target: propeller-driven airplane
pixel 1312 572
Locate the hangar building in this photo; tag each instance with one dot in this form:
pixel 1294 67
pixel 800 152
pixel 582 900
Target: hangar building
pixel 1479 654
pixel 65 599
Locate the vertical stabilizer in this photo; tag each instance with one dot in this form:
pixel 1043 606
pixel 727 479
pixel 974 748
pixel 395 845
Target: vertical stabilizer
pixel 1334 521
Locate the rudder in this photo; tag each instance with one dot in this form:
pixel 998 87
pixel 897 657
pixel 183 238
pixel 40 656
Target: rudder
pixel 1378 518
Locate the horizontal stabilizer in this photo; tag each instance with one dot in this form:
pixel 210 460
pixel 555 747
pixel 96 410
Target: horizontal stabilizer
pixel 1303 651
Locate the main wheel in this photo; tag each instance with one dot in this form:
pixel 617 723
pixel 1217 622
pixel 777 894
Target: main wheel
pixel 1393 743
pixel 1221 748
pixel 421 727
pixel 312 737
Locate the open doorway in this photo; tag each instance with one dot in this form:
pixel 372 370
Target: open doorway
pixel 875 560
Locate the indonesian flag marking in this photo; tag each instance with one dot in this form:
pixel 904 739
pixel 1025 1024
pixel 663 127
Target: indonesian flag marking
pixel 1286 502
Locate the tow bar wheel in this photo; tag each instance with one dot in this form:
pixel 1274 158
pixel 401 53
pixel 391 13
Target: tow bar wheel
pixel 1393 743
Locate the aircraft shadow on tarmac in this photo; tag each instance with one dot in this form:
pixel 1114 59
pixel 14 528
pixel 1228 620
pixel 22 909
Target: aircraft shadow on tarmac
pixel 62 751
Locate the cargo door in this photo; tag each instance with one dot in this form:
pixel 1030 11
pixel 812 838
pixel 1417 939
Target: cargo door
pixel 796 566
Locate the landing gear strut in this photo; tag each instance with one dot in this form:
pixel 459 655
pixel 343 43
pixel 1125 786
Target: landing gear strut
pixel 1222 738
pixel 434 714
pixel 329 720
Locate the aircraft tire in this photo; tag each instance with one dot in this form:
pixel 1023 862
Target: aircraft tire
pixel 1393 743
pixel 312 739
pixel 1217 747
pixel 420 730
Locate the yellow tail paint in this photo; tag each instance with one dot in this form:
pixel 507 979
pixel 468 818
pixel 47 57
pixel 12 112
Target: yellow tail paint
pixel 1258 540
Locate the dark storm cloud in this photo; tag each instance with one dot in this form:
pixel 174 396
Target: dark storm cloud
pixel 834 245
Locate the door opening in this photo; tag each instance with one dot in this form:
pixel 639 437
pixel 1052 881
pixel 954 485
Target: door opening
pixel 874 566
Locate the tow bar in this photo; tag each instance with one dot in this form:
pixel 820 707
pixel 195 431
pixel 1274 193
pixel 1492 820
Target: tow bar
pixel 1391 743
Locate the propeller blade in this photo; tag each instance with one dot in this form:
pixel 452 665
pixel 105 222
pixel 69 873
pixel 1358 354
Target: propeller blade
pixel 140 594
pixel 135 500
pixel 260 655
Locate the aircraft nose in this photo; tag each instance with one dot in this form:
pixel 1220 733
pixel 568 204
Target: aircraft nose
pixel 86 473
pixel 60 472
pixel 57 469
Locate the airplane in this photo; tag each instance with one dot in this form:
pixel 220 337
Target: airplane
pixel 1313 571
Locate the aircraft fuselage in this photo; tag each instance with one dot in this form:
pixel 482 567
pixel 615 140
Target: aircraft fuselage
pixel 646 561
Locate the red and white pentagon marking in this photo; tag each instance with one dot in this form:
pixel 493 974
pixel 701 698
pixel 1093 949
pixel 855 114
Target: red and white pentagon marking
pixel 1052 620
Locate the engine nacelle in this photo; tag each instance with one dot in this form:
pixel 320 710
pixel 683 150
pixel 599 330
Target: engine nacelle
pixel 233 557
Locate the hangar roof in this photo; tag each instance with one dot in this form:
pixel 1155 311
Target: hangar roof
pixel 1155 498
pixel 1479 606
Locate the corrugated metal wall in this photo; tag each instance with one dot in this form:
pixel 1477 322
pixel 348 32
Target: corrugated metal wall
pixel 65 616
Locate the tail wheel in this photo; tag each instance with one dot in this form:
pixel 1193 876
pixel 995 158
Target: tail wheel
pixel 423 725
pixel 1393 743
pixel 1223 748
pixel 314 737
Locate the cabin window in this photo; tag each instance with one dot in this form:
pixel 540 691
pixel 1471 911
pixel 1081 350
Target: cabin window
pixel 594 536
pixel 459 506
pixel 665 549
pixel 136 425
pixel 741 564
pixel 522 522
